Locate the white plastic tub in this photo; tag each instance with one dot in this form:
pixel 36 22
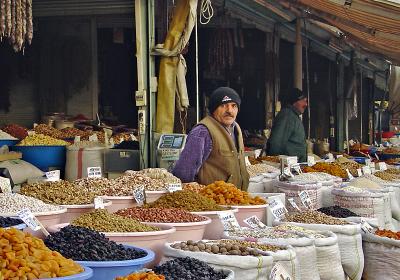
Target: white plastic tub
pixel 74 211
pixel 120 202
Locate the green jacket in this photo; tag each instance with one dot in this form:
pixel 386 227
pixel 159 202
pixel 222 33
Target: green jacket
pixel 288 136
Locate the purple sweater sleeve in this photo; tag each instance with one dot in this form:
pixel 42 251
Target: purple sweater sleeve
pixel 197 149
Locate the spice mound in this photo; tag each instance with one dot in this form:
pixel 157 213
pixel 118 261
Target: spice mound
pixel 313 217
pixel 83 244
pixel 228 194
pixel 186 200
pixel 142 276
pixel 23 256
pixel 188 268
pixel 337 212
pixel 101 220
pixel 160 215
pixel 388 234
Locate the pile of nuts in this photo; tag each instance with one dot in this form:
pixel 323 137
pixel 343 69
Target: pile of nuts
pixel 393 171
pixel 186 200
pixel 386 176
pixel 299 230
pixel 193 186
pixel 160 173
pixel 101 220
pixel 228 194
pixel 334 169
pixel 220 247
pixel 16 131
pixel 148 183
pixel 259 168
pixel 41 140
pixel 313 217
pixel 13 203
pixel 250 244
pixel 160 215
pixel 26 257
pixel 45 129
pixel 260 233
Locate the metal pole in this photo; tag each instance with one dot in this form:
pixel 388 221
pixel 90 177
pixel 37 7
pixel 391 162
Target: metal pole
pixel 197 73
pixel 298 58
pixel 361 106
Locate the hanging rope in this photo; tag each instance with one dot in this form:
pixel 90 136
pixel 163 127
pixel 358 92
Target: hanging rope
pixel 206 11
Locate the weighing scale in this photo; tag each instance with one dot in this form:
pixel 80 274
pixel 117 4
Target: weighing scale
pixel 169 149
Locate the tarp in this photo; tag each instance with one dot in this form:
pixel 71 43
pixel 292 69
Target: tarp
pixel 172 81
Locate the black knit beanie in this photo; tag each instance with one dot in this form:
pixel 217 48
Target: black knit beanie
pixel 223 95
pixel 295 96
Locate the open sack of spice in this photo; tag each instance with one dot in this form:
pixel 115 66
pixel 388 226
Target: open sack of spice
pixel 248 260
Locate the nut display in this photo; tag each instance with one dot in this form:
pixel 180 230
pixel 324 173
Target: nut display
pixel 337 212
pixel 82 244
pixel 260 246
pixel 260 233
pixel 160 173
pixel 217 247
pixel 13 203
pixel 393 171
pixel 142 276
pixel 148 183
pixel 16 131
pixel 386 176
pixel 49 131
pixel 41 140
pixel 228 194
pixel 101 220
pixel 193 186
pixel 299 230
pixel 188 268
pixel 331 168
pixel 186 200
pixel 259 168
pixel 160 215
pixel 59 192
pixel 388 233
pixel 9 222
pixel 23 256
pixel 5 136
pixel 313 217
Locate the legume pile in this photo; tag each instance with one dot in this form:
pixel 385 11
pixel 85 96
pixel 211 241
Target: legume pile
pixel 142 276
pixel 228 194
pixel 188 269
pixel 186 200
pixel 160 215
pixel 9 222
pixel 16 131
pixel 337 212
pixel 261 233
pixel 220 248
pixel 250 244
pixel 12 203
pixel 386 176
pixel 260 168
pixel 23 256
pixel 313 217
pixel 388 233
pixel 84 244
pixel 300 230
pixel 101 220
pixel 41 140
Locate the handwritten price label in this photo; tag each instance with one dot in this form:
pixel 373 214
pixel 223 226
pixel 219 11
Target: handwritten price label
pixel 278 209
pixel 229 221
pixel 94 172
pixel 254 222
pixel 139 195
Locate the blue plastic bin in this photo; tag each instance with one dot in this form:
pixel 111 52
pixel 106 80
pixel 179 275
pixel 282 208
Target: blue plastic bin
pixel 44 157
pixel 111 269
pixel 8 142
pixel 86 274
pixel 359 159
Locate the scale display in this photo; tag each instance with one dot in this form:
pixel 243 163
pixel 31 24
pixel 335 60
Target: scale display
pixel 171 142
pixel 169 149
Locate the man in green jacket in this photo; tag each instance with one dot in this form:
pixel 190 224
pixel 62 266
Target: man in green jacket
pixel 288 136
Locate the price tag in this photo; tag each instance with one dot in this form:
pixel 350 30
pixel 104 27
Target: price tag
pixel 133 137
pixel 98 203
pixel 254 222
pixel 366 227
pixel 278 272
pixel 247 161
pixel 291 160
pixel 229 221
pixel 297 168
pixel 77 139
pixel 372 167
pixel 139 195
pixel 93 138
pixel 310 160
pixel 330 156
pixel 366 170
pixel 367 162
pixel 339 156
pixel 294 204
pixel 277 208
pixel 359 172
pixel 305 199
pixel 382 166
pixel 287 172
pixel 53 175
pixel 31 132
pixel 174 187
pixel 5 185
pixel 31 221
pixel 94 172
pixel 351 177
pixel 257 153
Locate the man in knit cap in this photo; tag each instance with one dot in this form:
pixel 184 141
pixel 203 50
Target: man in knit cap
pixel 288 136
pixel 214 150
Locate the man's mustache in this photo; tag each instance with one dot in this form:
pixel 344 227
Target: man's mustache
pixel 228 115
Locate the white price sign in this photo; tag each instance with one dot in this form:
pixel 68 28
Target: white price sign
pixel 174 187
pixel 305 199
pixel 297 168
pixel 31 221
pixel 366 170
pixel 139 195
pixel 53 175
pixel 368 162
pixel 294 204
pixel 310 160
pixel 278 272
pixel 330 156
pixel 5 185
pixel 98 203
pixel 382 166
pixel 277 208
pixel 287 172
pixel 229 221
pixel 254 222
pixel 359 172
pixel 94 172
pixel 366 227
pixel 93 138
pixel 77 139
pixel 247 161
pixel 349 174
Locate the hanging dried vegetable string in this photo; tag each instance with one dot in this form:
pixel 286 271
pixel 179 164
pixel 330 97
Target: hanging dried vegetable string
pixel 16 22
